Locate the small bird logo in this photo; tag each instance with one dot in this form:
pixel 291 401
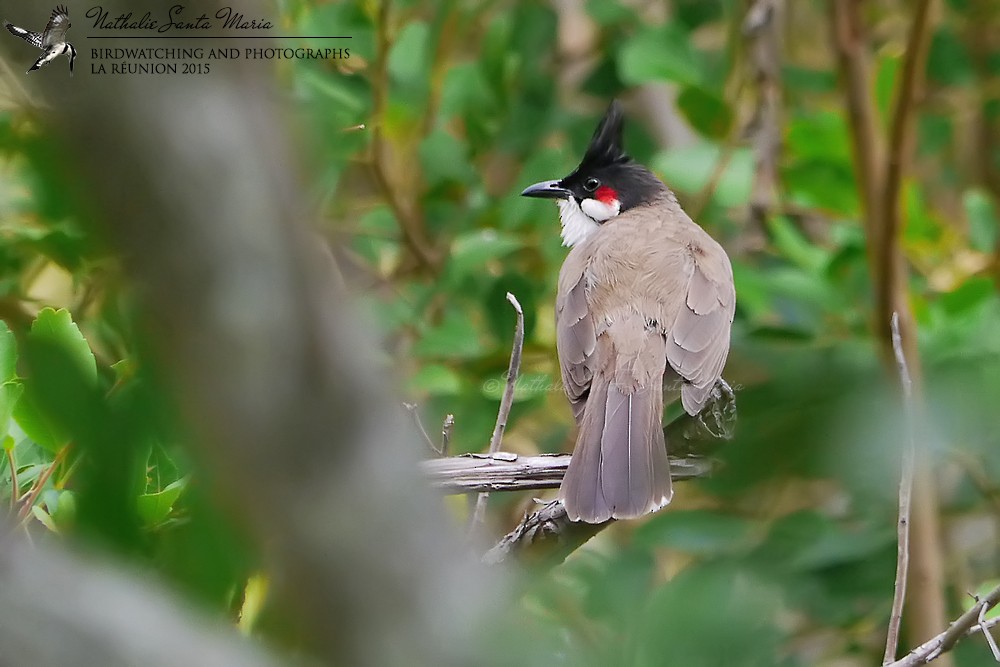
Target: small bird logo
pixel 51 40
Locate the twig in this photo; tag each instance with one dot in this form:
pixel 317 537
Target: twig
pixel 412 409
pixel 986 633
pixel 446 429
pixel 905 491
pixel 40 483
pixel 965 625
pixel 505 404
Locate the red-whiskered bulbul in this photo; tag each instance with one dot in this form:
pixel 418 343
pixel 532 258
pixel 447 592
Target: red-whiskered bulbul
pixel 645 302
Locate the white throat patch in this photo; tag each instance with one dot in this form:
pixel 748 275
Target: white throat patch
pixel 600 211
pixel 577 226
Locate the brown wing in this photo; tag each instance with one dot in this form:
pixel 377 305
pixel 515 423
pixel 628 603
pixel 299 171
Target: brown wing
pixel 698 341
pixel 575 335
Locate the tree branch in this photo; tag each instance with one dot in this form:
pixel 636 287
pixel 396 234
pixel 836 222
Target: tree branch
pixel 506 471
pixel 548 534
pixel 966 624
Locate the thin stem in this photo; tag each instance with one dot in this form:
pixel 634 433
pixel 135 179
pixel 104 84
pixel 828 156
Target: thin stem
pixel 505 404
pixel 40 484
pixel 905 492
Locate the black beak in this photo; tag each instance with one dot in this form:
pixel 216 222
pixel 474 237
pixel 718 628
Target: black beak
pixel 547 190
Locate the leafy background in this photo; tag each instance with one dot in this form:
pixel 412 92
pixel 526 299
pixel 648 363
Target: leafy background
pixel 418 145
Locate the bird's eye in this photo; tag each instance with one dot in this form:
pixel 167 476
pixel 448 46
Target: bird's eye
pixel 591 184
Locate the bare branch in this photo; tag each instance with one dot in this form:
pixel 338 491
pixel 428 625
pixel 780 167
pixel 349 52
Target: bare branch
pixel 965 625
pixel 548 536
pixel 905 491
pixel 505 471
pixel 548 532
pixel 505 404
pixel 987 634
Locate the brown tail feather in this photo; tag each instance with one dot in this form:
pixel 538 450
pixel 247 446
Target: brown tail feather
pixel 619 467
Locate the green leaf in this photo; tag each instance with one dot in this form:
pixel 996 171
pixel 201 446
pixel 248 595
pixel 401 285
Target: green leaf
pixel 660 54
pixel 408 58
pixel 983 221
pixel 436 380
pixel 44 518
pixel 610 13
pixel 948 61
pixel 454 338
pixel 465 90
pixel 695 531
pixel 471 250
pixel 61 506
pixel 706 111
pixel 57 328
pixel 822 135
pixel 794 246
pixel 970 294
pixel 10 393
pixel 8 353
pixel 53 330
pixel 443 158
pixel 154 508
pixel 683 617
pixel 689 170
pixel 37 426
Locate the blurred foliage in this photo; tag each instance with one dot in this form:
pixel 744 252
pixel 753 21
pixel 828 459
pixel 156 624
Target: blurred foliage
pixel 785 556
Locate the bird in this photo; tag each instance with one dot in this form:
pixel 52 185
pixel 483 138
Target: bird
pixel 51 40
pixel 645 303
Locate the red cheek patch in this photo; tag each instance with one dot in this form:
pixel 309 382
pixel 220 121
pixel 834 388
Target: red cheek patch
pixel 606 195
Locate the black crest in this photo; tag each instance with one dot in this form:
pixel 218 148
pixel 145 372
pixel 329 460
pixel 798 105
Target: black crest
pixel 606 145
